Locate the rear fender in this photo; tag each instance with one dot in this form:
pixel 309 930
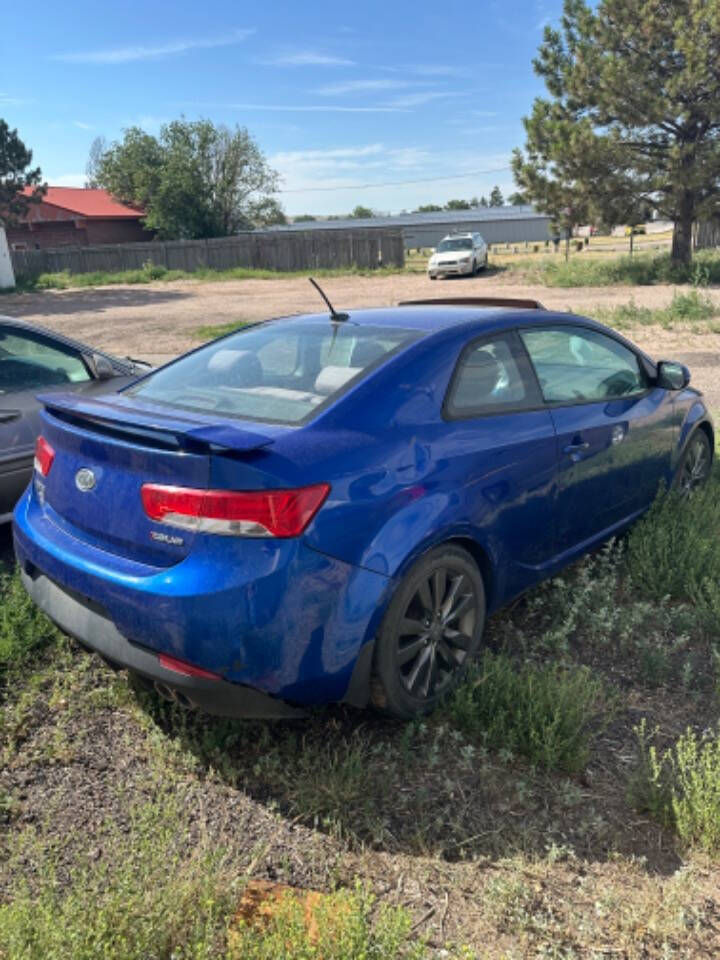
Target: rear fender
pixel 421 524
pixel 696 414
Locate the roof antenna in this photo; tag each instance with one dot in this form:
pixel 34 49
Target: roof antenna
pixel 334 315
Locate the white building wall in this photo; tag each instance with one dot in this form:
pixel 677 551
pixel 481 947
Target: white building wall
pixel 7 275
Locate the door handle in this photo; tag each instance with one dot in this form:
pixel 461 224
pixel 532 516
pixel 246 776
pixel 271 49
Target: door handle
pixel 6 416
pixel 577 446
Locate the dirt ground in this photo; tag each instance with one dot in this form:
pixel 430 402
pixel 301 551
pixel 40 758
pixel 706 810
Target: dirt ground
pixel 157 321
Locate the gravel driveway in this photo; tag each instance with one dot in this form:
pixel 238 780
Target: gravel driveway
pixel 158 320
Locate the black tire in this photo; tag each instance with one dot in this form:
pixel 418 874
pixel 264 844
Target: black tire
pixel 440 605
pixel 474 269
pixel 694 468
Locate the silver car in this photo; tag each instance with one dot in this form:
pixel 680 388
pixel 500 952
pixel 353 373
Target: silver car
pixel 34 360
pixel 460 254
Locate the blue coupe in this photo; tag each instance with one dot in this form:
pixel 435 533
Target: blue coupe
pixel 326 508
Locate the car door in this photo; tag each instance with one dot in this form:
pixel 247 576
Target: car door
pixel 29 363
pixel 501 444
pixel 614 428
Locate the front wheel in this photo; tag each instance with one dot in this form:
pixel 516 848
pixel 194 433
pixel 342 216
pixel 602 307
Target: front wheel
pixel 694 469
pixel 432 629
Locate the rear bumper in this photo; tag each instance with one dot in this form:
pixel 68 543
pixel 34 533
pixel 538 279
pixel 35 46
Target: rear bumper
pixel 277 619
pixel 87 622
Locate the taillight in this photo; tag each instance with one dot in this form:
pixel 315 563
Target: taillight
pixel 44 456
pixel 250 513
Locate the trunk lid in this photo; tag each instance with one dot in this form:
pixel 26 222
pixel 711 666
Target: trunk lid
pixel 107 448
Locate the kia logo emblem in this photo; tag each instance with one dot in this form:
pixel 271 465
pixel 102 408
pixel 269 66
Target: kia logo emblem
pixel 85 480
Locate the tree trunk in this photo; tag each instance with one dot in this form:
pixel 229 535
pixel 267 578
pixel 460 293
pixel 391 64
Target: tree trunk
pixel 682 232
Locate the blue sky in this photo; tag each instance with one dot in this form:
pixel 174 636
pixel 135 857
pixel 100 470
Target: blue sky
pixel 338 95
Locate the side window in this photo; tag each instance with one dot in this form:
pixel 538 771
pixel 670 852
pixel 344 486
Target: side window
pixel 28 362
pixel 491 377
pixel 578 365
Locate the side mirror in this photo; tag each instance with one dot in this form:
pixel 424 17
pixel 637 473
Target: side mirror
pixel 104 370
pixel 672 376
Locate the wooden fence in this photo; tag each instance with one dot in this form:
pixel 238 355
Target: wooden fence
pixel 272 250
pixel 707 234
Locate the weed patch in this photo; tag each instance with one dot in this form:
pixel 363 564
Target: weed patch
pixel 337 927
pixel 149 892
pixel 639 270
pixel 674 551
pixel 693 308
pixel 544 712
pixel 152 273
pixel 23 628
pixel 681 786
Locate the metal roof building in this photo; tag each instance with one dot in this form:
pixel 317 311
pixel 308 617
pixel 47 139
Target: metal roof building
pixel 496 224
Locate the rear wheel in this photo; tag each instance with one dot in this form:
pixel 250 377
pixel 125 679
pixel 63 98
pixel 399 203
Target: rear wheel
pixel 431 631
pixel 695 465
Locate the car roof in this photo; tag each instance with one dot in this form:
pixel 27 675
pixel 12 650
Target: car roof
pixel 434 319
pixel 59 337
pixel 426 318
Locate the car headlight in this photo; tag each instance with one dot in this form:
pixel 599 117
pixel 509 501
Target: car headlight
pixel 465 259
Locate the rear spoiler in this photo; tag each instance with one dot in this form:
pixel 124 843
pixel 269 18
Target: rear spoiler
pixel 513 302
pixel 118 415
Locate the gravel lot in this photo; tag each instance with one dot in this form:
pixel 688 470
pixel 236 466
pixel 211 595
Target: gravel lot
pixel 157 320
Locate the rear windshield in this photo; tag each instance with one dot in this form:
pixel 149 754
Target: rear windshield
pixel 274 372
pixel 464 243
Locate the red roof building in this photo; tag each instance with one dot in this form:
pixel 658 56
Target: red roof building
pixel 77 216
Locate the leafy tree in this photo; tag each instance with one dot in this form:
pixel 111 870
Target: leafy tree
pixel 633 91
pixel 15 177
pixel 517 199
pixel 428 208
pixel 304 218
pixel 97 150
pixel 496 197
pixel 483 202
pixel 457 205
pixel 362 213
pixel 194 180
pixel 267 213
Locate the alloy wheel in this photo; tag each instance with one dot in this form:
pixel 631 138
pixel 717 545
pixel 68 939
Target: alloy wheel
pixel 436 631
pixel 696 465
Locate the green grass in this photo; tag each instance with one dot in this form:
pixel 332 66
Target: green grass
pixel 640 270
pixel 155 892
pixel 547 713
pixel 681 786
pixel 674 551
pixel 340 927
pixel 151 273
pixel 23 629
pixel 693 308
pixel 212 331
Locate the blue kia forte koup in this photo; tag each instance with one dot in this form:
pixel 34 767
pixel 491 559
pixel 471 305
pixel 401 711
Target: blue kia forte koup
pixel 326 508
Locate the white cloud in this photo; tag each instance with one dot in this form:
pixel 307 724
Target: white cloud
pixel 362 86
pixel 410 100
pixel 306 58
pixel 7 101
pixel 82 126
pixel 303 108
pixel 68 180
pixel 387 178
pixel 173 47
pixel 429 70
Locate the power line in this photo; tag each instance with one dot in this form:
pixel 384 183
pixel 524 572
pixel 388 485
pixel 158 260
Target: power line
pixel 399 183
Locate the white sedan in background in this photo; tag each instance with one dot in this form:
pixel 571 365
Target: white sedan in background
pixel 457 255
